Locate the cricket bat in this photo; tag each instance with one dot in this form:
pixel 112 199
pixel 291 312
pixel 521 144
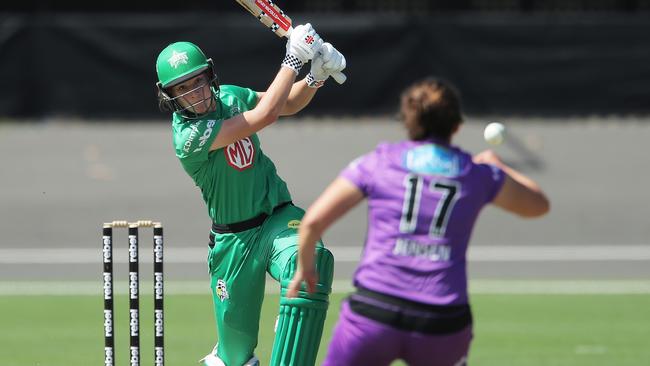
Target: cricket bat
pixel 273 17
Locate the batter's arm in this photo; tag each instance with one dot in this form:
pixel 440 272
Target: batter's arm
pixel 300 49
pixel 265 112
pixel 299 97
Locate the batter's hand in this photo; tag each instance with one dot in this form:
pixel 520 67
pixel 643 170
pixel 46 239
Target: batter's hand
pixel 308 276
pixel 329 61
pixel 302 46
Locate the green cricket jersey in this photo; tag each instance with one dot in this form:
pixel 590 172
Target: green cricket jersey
pixel 237 182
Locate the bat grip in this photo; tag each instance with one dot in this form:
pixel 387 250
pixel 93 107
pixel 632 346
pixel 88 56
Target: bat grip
pixel 339 77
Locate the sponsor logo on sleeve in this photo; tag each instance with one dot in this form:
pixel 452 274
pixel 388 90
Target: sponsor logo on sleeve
pixel 203 139
pixel 206 134
pixel 194 130
pixel 241 154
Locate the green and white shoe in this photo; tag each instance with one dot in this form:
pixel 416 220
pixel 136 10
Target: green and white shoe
pixel 212 360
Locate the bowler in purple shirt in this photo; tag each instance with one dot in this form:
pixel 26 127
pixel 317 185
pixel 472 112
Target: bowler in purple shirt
pixel 424 196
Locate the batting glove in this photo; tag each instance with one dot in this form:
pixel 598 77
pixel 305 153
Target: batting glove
pixel 327 62
pixel 302 46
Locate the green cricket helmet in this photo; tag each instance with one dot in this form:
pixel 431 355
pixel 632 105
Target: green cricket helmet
pixel 177 63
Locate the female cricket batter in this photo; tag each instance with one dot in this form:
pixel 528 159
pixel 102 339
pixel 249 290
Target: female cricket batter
pixel 424 196
pixel 255 225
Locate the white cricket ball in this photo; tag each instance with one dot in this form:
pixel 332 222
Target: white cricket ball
pixel 494 133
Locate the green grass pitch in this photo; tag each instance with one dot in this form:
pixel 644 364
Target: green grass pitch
pixel 520 330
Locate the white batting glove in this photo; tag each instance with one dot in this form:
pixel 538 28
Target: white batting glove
pixel 302 46
pixel 327 62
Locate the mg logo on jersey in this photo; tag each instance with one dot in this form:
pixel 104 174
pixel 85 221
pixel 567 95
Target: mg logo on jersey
pixel 240 154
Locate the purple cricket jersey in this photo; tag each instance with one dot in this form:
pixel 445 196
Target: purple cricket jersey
pixel 423 200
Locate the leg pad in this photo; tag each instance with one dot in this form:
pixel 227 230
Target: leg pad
pixel 300 324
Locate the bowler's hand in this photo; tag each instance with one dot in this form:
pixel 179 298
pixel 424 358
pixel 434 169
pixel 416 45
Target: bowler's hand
pixel 308 276
pixel 488 157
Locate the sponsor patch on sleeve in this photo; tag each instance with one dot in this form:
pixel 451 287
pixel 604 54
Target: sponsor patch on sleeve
pixel 197 136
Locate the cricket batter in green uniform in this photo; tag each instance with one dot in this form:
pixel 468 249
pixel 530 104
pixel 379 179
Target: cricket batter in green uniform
pixel 255 225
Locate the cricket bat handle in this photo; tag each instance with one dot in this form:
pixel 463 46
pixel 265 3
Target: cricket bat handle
pixel 338 76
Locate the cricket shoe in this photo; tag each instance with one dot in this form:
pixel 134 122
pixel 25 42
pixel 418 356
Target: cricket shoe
pixel 212 360
pixel 252 362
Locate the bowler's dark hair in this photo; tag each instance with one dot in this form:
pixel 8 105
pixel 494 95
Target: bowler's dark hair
pixel 430 108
